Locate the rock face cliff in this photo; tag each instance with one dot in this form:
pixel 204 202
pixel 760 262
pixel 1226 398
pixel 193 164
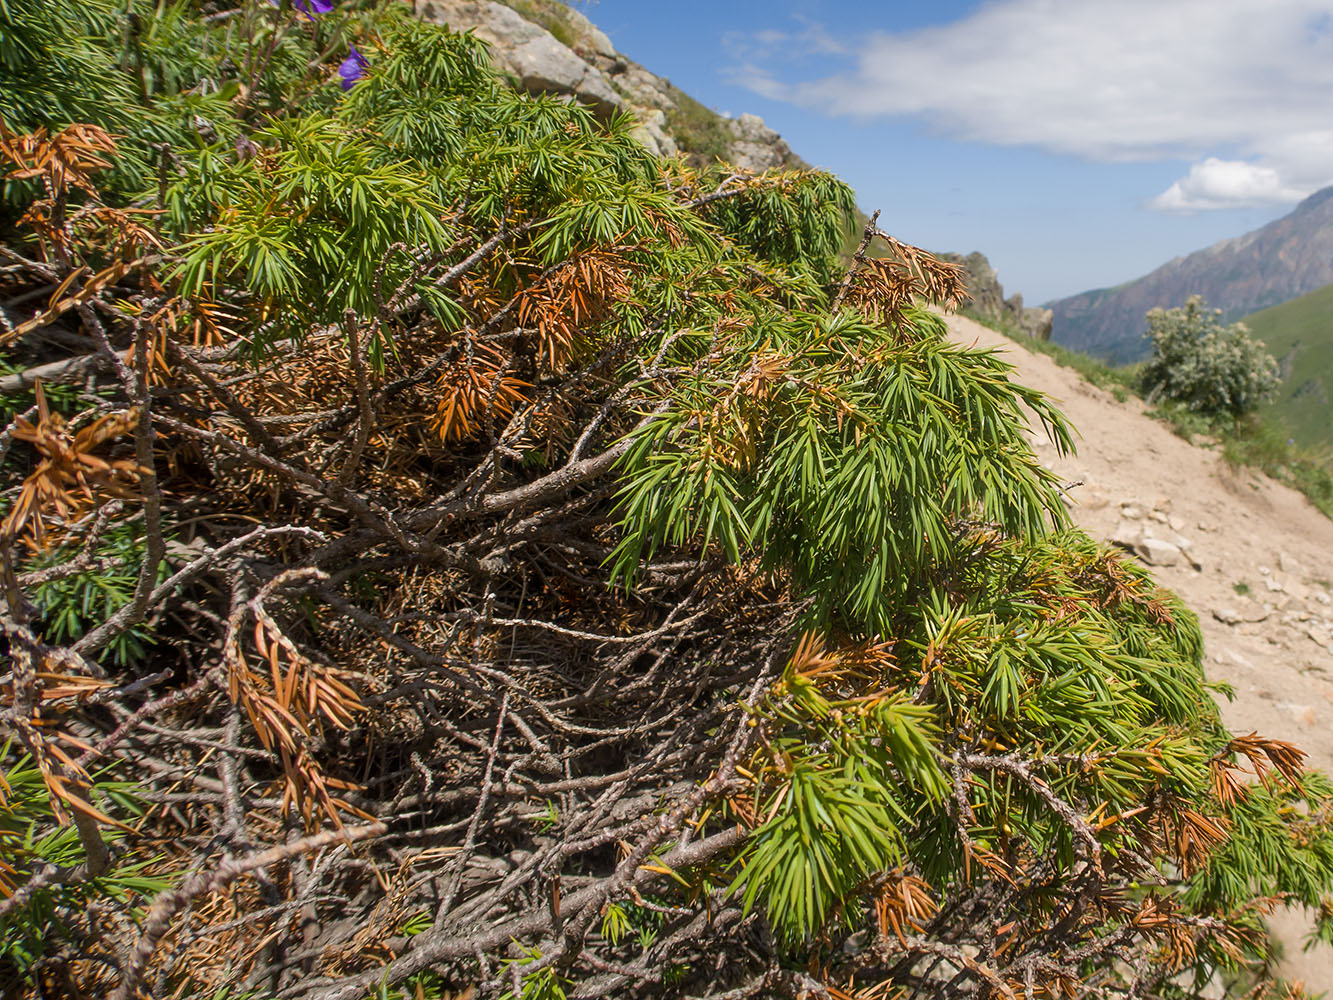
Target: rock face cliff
pixel 1273 264
pixel 550 48
pixel 988 301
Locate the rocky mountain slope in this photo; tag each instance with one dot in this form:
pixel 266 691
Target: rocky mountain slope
pixel 1299 334
pixel 1251 557
pixel 989 303
pixel 1273 264
pixel 547 47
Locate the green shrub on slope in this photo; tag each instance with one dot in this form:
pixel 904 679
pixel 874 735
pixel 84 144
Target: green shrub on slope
pixel 577 567
pixel 1205 366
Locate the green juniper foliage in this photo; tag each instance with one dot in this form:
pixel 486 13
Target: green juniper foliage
pixel 35 924
pixel 580 584
pixel 57 64
pixel 69 604
pixel 846 455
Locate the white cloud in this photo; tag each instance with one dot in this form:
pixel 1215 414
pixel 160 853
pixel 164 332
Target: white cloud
pixel 1218 183
pixel 758 80
pixel 1109 80
pixel 809 38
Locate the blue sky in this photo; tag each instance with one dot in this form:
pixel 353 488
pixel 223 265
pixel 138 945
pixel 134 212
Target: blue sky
pixel 1077 143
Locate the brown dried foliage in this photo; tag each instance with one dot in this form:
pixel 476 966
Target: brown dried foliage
pixel 69 478
pixel 475 392
pixel 64 160
pixel 903 903
pixel 886 287
pixel 288 700
pixel 571 298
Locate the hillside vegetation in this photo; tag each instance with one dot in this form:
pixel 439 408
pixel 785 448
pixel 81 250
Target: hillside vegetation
pixel 449 552
pixel 1300 335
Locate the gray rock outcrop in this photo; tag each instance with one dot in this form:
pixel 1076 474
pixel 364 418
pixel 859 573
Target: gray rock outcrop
pixel 756 146
pixel 989 303
pixel 583 64
pixel 531 54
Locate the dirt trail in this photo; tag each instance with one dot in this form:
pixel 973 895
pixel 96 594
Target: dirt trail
pixel 1227 531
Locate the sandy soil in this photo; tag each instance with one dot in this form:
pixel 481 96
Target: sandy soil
pixel 1242 530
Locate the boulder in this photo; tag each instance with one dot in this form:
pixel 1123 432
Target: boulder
pixel 757 147
pixel 537 59
pixel 1255 613
pixel 590 70
pixel 1157 552
pixel 1126 535
pixel 651 131
pixel 642 88
pixel 983 284
pixel 1037 322
pixel 755 156
pixel 751 128
pixel 591 37
pixel 1139 539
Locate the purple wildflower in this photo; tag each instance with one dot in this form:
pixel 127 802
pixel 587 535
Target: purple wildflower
pixel 308 7
pixel 352 68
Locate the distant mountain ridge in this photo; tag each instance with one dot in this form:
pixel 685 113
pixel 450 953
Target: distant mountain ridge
pixel 1276 263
